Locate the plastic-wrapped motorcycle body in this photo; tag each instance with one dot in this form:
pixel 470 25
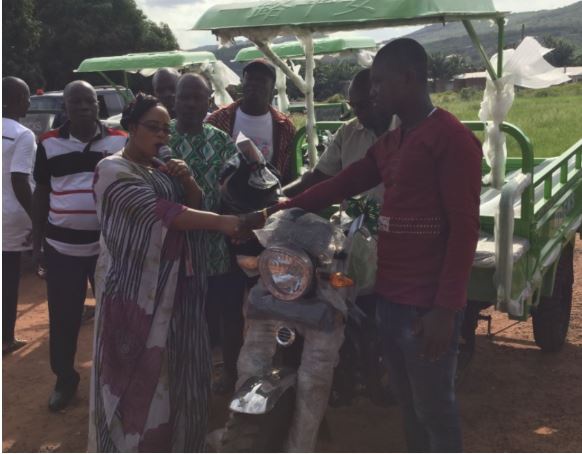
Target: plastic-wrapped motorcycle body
pixel 303 292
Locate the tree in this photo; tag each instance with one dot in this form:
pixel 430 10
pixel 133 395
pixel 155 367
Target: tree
pixel 70 31
pixel 563 53
pixel 442 68
pixel 99 28
pixel 20 41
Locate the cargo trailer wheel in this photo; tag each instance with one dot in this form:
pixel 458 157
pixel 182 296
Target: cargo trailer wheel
pixel 552 316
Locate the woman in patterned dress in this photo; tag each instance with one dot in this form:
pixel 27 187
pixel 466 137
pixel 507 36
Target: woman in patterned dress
pixel 151 369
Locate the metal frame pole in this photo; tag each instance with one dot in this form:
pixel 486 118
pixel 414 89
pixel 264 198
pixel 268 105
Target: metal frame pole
pixel 473 35
pixel 114 85
pixel 500 39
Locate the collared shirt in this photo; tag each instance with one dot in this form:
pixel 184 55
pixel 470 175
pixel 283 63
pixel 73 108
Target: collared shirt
pixel 283 134
pixel 67 166
pixel 18 147
pixel 350 144
pixel 206 153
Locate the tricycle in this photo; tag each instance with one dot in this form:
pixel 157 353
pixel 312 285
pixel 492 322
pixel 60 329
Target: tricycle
pixel 531 208
pixel 523 263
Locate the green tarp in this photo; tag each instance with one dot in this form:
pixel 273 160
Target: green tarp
pixel 323 46
pixel 324 15
pixel 148 60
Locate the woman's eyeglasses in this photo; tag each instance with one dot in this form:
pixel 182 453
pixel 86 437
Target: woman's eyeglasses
pixel 153 128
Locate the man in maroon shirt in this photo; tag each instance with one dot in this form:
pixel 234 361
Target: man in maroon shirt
pixel 428 232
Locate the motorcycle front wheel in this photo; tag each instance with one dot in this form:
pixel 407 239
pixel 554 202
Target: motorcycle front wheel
pixel 260 433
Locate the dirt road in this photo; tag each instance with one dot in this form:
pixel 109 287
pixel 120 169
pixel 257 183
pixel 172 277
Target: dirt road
pixel 513 397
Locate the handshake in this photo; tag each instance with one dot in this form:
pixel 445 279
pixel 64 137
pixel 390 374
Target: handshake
pixel 240 227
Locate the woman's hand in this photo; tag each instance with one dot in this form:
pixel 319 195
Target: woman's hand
pixel 247 223
pixel 237 227
pixel 240 228
pixel 254 220
pixel 231 226
pixel 179 169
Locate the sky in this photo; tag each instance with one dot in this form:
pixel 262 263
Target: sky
pixel 181 15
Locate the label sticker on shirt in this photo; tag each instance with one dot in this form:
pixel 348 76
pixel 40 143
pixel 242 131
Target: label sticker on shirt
pixel 263 146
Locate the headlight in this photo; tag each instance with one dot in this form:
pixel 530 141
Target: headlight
pixel 287 273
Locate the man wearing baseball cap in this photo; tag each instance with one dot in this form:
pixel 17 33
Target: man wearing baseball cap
pixel 270 130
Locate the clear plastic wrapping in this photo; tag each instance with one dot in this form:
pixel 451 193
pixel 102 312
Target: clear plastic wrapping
pixel 304 230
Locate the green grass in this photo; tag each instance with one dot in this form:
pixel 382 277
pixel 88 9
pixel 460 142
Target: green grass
pixel 550 117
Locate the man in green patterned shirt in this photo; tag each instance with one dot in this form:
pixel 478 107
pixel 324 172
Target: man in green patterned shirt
pixel 206 149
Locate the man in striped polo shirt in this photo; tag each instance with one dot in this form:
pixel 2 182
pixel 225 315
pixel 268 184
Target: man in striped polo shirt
pixel 65 224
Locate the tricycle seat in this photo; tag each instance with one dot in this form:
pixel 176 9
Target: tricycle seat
pixel 485 253
pixel 490 196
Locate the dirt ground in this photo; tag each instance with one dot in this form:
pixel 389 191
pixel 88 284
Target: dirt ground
pixel 513 397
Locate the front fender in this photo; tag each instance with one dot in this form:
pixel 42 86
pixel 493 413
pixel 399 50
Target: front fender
pixel 259 394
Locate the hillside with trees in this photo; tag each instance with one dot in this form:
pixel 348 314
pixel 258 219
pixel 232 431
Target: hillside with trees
pixel 42 44
pixel 450 49
pixel 562 24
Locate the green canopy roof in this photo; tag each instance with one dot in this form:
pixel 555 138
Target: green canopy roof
pixel 147 60
pixel 323 46
pixel 321 15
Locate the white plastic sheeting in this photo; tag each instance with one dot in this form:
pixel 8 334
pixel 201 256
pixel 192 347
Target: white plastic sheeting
pixel 524 67
pixel 365 58
pixel 281 85
pixel 497 101
pixel 306 41
pixel 504 244
pixel 528 67
pixel 146 72
pixel 221 76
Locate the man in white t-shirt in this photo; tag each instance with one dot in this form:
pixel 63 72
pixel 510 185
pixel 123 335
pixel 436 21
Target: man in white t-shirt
pixel 270 130
pixel 18 149
pixel 258 128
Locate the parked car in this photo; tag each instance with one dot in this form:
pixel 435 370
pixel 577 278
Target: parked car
pixel 47 111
